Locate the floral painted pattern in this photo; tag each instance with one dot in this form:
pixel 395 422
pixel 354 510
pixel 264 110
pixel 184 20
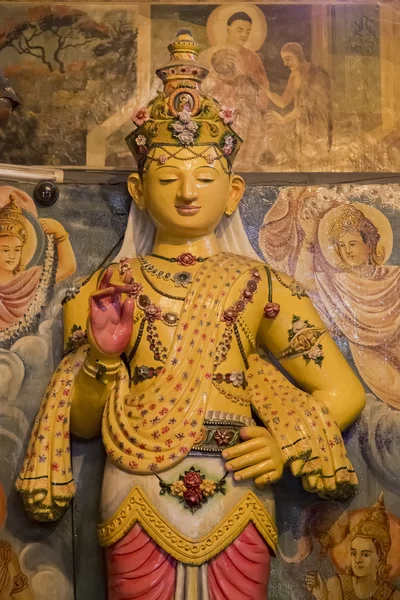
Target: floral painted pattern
pixel 76 338
pixel 193 489
pixel 303 337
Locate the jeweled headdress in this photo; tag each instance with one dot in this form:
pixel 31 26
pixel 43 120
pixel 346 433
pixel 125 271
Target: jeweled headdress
pixel 374 525
pixel 12 221
pixel 180 117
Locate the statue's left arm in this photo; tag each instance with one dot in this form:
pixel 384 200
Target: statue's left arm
pixel 300 342
pixel 304 421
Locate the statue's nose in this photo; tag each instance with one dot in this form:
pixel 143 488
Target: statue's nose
pixel 188 190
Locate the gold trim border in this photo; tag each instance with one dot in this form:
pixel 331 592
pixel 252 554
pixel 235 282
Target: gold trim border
pixel 137 508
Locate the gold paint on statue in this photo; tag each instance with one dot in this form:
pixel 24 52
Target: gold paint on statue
pixel 137 508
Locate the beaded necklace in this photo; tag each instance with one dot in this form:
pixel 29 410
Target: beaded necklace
pixel 180 279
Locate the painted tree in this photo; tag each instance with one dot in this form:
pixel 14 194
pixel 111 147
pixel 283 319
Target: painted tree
pixel 122 40
pixel 48 32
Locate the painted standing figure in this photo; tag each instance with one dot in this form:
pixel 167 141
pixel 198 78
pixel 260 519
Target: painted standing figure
pixel 309 122
pixel 170 374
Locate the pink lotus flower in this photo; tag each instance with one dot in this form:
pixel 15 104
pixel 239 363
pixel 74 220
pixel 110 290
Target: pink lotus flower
pixel 227 115
pixel 140 116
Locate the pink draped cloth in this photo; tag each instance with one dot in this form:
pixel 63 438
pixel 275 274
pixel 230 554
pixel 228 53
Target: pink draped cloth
pixel 241 572
pixel 139 570
pixel 16 295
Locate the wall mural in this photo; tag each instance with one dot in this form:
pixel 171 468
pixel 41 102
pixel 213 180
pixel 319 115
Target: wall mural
pixel 66 63
pixel 314 85
pixel 340 244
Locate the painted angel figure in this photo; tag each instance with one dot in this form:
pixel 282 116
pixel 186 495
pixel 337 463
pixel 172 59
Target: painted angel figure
pixel 368 569
pixel 169 374
pixel 44 245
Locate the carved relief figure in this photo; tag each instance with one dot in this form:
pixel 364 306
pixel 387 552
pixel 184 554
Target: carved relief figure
pixel 169 374
pixel 367 559
pixel 34 254
pixel 307 128
pixel 237 76
pixel 13 583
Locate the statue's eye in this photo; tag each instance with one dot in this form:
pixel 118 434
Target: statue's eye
pixel 167 180
pixel 205 179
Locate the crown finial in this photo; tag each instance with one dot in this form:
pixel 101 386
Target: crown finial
pixel 184 47
pixel 182 70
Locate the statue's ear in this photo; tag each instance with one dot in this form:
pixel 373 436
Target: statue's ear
pixel 237 187
pixel 135 189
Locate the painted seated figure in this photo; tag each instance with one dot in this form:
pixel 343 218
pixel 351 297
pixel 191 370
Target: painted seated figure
pixel 196 425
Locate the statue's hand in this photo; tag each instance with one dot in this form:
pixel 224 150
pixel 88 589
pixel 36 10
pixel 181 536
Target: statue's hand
pixel 110 320
pixel 260 457
pixel 316 585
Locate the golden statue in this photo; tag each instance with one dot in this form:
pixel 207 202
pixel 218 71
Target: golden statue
pixel 170 376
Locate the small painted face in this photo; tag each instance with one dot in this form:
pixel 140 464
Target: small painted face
pixel 186 197
pixel 238 32
pixel 10 252
pixel 364 557
pixel 290 60
pixel 353 250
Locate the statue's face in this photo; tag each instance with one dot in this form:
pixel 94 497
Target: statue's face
pixel 353 250
pixel 290 60
pixel 238 32
pixel 364 557
pixel 10 252
pixel 187 198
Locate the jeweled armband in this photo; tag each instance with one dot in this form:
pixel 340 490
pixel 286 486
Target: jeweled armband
pixel 100 370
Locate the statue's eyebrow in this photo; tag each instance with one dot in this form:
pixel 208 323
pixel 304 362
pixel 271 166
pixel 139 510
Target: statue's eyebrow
pixel 167 166
pixel 207 166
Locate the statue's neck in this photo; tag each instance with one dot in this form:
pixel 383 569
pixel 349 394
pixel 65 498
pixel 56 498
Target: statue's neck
pixel 169 246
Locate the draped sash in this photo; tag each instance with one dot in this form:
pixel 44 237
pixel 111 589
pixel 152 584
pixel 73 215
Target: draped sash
pixel 154 430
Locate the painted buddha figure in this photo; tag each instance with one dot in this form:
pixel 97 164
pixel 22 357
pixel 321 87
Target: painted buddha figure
pixel 170 375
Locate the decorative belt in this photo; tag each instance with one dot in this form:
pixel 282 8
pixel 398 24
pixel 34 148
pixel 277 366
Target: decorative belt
pixel 215 436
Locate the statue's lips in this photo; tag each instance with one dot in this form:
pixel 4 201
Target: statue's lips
pixel 186 211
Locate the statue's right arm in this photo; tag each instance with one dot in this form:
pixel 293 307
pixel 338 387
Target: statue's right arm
pixel 89 393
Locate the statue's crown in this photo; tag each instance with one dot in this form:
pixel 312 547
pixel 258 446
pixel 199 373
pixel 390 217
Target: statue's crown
pixel 12 221
pixel 180 117
pixel 374 524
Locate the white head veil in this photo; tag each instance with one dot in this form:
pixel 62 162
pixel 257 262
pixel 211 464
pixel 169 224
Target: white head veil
pixel 139 235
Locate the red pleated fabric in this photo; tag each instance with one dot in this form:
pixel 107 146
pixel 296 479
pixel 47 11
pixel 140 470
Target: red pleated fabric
pixel 139 570
pixel 241 571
